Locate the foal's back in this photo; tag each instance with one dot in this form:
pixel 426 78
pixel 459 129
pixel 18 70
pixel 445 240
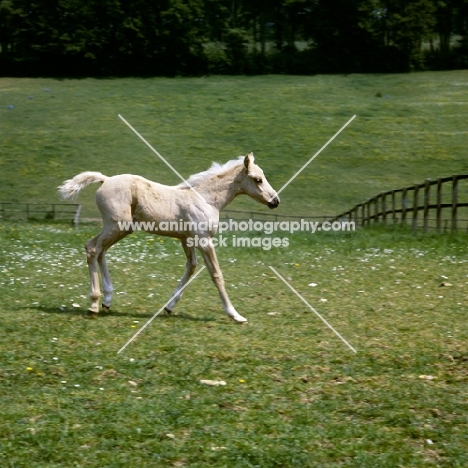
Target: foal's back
pixel 128 197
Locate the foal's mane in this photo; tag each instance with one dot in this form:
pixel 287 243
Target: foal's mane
pixel 215 169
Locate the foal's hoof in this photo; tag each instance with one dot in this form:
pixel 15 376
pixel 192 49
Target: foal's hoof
pixel 239 319
pixel 105 308
pixel 167 311
pixel 92 314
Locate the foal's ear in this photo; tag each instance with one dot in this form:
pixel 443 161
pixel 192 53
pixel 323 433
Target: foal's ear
pixel 249 159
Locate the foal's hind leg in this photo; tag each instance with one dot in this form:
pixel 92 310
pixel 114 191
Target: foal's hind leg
pixel 95 253
pixel 191 265
pixel 93 248
pixel 107 286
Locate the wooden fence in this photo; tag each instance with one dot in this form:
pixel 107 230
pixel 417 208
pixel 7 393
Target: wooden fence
pixel 434 204
pixel 43 211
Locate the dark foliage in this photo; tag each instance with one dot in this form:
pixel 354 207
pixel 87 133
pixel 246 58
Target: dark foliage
pixel 195 37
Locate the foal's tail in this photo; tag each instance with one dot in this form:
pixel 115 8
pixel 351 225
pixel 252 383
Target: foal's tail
pixel 70 189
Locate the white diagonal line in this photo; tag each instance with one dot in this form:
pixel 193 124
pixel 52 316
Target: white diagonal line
pixel 312 309
pixel 160 310
pixel 314 156
pixel 162 159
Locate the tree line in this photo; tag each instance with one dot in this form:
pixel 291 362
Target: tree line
pixel 194 37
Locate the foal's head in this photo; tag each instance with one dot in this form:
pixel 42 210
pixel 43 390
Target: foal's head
pixel 254 183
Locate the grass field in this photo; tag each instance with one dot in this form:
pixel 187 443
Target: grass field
pixel 295 395
pixel 416 130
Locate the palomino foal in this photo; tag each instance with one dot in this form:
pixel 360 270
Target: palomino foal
pixel 193 209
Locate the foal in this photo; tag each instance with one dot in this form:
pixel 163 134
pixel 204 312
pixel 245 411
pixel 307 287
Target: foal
pixel 193 207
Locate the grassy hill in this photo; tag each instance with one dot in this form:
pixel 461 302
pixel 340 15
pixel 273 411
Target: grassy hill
pixel 408 128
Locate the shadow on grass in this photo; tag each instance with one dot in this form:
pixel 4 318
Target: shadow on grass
pixel 69 311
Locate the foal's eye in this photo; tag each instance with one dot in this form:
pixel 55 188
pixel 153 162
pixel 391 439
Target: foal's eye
pixel 258 180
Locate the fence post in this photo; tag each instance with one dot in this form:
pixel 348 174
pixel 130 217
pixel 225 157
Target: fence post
pixel 384 208
pixel 415 208
pixel 27 211
pixel 404 205
pixel 454 202
pixel 376 209
pixel 76 219
pixel 427 188
pixel 368 212
pixel 439 204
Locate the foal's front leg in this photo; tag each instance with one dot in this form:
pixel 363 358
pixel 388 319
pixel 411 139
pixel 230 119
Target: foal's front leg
pixel 211 261
pixel 96 256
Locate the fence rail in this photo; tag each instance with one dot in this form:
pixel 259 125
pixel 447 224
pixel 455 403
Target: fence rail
pixel 44 211
pixel 404 205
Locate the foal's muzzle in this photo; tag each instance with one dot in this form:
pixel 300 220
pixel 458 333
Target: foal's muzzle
pixel 274 202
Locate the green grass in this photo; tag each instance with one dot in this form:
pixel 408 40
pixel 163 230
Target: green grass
pixel 416 130
pixel 295 394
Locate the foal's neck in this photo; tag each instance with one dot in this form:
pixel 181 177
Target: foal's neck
pixel 219 190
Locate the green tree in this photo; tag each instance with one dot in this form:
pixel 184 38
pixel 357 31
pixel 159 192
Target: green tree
pixel 346 35
pixel 7 30
pixel 409 23
pixel 371 35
